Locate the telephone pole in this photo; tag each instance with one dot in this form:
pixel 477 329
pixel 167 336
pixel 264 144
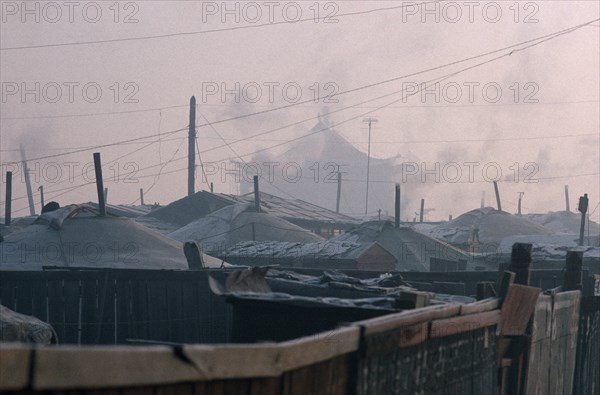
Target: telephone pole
pixel 370 121
pixel 191 147
pixel 520 197
pixel 27 181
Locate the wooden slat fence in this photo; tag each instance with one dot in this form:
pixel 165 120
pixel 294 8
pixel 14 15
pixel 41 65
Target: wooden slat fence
pixel 433 350
pixel 111 306
pixel 553 344
pixel 587 367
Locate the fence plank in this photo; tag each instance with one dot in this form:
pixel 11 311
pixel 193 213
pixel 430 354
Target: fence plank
pixel 72 300
pixel 174 310
pixel 123 313
pixel 56 307
pixel 89 309
pixel 565 321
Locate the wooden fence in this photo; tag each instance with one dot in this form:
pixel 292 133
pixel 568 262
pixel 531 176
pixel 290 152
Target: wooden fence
pixel 587 366
pixel 553 344
pixel 111 306
pixel 438 349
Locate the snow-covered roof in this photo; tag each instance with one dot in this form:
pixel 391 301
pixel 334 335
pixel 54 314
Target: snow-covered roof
pixel 296 209
pixel 563 222
pixel 411 248
pixel 492 225
pixel 76 236
pixel 232 224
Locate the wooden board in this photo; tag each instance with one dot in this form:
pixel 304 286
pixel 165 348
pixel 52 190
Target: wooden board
pixel 517 309
pixel 539 347
pixel 463 323
pixel 409 317
pixel 14 366
pixel 553 344
pixel 565 323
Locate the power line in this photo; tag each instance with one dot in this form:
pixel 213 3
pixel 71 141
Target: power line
pixel 421 87
pixel 451 106
pixel 350 141
pixel 385 105
pixel 290 105
pixel 100 146
pixel 201 32
pixel 85 146
pixel 82 175
pixel 239 157
pixel 93 114
pixel 361 115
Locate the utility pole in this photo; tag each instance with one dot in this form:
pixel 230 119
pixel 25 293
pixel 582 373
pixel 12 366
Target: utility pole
pixel 497 196
pixel 41 189
pixel 370 121
pixel 142 196
pixel 8 200
pixel 583 206
pixel 568 209
pixel 397 206
pixel 27 181
pixel 520 197
pixel 422 210
pixel 339 192
pixel 256 195
pixel 191 147
pixel 99 184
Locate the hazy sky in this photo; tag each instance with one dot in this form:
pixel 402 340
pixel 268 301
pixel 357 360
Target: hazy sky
pixel 536 110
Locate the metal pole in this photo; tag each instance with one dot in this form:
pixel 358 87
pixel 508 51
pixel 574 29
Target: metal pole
pixel 41 189
pixel 191 147
pixel 520 197
pixel 568 208
pixel 99 184
pixel 256 195
pixel 370 121
pixel 8 201
pixel 339 192
pixel 27 181
pixel 142 196
pixel 397 206
pixel 583 206
pixel 422 209
pixel 497 196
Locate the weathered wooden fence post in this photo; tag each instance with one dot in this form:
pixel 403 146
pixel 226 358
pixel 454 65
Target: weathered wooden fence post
pixel 8 200
pixel 573 271
pixel 99 184
pixel 520 262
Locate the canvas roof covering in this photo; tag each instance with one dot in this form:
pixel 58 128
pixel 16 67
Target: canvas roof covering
pixel 173 216
pixel 296 209
pixel 232 224
pixel 327 253
pixel 493 226
pixel 411 248
pixel 185 210
pixel 76 236
pixel 563 222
